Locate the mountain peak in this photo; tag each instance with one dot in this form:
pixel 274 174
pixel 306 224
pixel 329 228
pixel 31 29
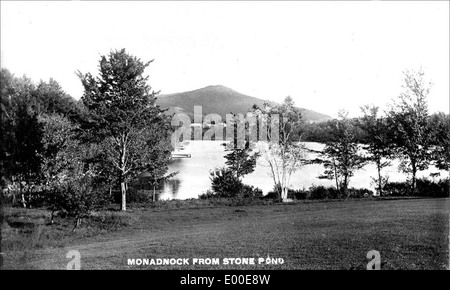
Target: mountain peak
pixel 218 88
pixel 221 100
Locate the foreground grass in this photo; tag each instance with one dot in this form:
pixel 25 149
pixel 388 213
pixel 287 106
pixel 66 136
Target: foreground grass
pixel 408 233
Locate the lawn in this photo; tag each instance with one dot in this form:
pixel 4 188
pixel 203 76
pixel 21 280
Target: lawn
pixel 408 234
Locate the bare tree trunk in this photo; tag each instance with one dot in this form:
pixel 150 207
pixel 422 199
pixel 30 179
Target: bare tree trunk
pixel 123 190
pixel 345 185
pixel 335 175
pixel 154 193
pixel 414 180
pixel 123 186
pixel 380 185
pixel 24 203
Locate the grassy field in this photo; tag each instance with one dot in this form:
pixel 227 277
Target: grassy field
pixel 408 233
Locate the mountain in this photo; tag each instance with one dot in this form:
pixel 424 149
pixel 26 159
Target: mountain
pixel 220 100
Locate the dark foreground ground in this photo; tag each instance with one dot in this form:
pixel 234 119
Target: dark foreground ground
pixel 408 234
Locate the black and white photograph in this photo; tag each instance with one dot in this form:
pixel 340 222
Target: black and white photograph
pixel 215 136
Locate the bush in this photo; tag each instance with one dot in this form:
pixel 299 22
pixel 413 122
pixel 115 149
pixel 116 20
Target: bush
pixel 208 194
pixel 24 194
pixel 75 197
pixel 424 187
pixel 249 191
pixel 135 196
pixel 298 194
pixel 396 189
pixel 359 192
pixel 225 183
pixel 272 195
pixel 322 192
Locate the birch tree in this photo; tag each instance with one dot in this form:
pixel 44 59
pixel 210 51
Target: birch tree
pixel 282 154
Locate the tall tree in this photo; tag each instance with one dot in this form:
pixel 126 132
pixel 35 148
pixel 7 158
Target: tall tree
pixel 342 154
pixel 26 155
pixel 377 142
pixel 50 98
pixel 160 153
pixel 241 161
pixel 283 154
pixel 408 119
pixel 121 106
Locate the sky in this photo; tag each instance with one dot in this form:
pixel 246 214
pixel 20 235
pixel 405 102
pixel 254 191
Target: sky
pixel 327 56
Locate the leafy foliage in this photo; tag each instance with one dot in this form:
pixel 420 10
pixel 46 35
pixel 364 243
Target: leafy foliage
pixel 425 188
pixel 440 124
pixel 283 154
pixel 224 183
pixel 377 143
pixel 241 162
pixel 410 131
pixel 122 113
pixel 343 158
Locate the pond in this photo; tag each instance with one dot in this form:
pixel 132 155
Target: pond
pixel 193 178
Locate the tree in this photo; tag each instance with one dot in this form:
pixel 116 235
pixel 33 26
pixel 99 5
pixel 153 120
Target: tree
pixel 50 98
pixel 70 177
pixel 282 154
pixel 20 144
pixel 408 121
pixel 121 106
pixel 77 195
pixel 22 102
pixel 440 127
pixel 159 153
pixel 60 157
pixel 28 134
pixel 241 162
pixel 377 142
pixel 342 154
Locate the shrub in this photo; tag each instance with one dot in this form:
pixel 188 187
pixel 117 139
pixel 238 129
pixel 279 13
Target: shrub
pixel 322 192
pixel 272 195
pixel 249 191
pixel 425 188
pixel 75 197
pixel 396 189
pixel 225 183
pixel 359 192
pixel 208 194
pixel 298 194
pixel 135 196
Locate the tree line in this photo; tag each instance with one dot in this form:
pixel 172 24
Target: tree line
pixel 406 132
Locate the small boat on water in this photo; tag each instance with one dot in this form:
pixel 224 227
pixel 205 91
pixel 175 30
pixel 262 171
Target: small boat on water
pixel 181 155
